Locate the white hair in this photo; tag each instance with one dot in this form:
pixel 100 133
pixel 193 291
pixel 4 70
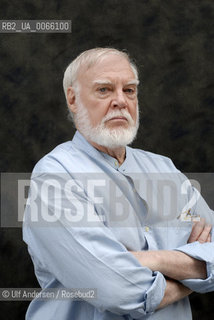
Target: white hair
pixel 87 59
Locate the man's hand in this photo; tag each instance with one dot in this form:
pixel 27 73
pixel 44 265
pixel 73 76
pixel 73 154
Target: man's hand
pixel 200 232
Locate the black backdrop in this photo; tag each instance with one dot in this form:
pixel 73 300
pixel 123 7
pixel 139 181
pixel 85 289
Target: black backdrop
pixel 171 42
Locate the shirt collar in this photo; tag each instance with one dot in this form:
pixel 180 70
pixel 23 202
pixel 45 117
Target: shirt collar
pixel 81 143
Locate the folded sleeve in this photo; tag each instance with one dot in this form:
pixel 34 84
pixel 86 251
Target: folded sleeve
pixel 201 251
pixel 72 243
pixel 204 252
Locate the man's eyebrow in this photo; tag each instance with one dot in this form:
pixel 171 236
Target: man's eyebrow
pixel 133 82
pixel 98 82
pixel 105 81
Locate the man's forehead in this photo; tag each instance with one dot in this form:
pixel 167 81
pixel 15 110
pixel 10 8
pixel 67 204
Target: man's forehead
pixel 111 77
pixel 110 67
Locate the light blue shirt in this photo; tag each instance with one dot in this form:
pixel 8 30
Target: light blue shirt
pixel 83 216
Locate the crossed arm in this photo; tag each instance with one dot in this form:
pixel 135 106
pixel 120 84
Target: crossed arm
pixel 177 265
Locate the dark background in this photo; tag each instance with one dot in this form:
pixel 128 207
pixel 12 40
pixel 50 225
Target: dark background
pixel 171 42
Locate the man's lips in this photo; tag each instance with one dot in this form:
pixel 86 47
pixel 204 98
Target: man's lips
pixel 118 118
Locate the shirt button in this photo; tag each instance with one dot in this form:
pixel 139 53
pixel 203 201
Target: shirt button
pixel 147 229
pixel 116 163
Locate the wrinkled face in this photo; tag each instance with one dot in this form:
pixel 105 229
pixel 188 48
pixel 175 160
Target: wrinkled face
pixel 104 102
pixel 110 85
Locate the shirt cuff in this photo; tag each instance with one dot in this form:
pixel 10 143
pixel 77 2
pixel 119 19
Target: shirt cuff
pixel 203 252
pixel 152 298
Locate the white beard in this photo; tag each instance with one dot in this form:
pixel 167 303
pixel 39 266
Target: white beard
pixel 103 136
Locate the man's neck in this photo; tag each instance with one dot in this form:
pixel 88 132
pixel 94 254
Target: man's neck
pixel 118 153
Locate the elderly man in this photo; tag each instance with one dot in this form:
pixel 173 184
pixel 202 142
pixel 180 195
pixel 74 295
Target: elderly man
pixel 90 221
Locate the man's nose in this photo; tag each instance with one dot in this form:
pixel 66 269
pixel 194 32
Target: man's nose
pixel 119 99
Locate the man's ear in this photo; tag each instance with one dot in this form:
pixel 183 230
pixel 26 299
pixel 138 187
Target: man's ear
pixel 71 99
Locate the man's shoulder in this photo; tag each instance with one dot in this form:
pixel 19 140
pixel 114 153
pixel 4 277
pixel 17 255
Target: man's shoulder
pixel 153 160
pixel 56 159
pixel 149 154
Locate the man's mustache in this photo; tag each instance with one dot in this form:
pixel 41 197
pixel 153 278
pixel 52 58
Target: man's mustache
pixel 114 114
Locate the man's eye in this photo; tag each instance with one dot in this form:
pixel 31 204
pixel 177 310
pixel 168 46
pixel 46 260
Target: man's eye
pixel 129 90
pixel 103 90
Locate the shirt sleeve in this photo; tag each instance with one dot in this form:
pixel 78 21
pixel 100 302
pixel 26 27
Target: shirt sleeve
pixel 66 235
pixel 205 251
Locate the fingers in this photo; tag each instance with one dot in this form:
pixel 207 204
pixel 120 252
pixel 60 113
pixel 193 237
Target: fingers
pixel 205 235
pixel 197 229
pixel 209 238
pixel 200 232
